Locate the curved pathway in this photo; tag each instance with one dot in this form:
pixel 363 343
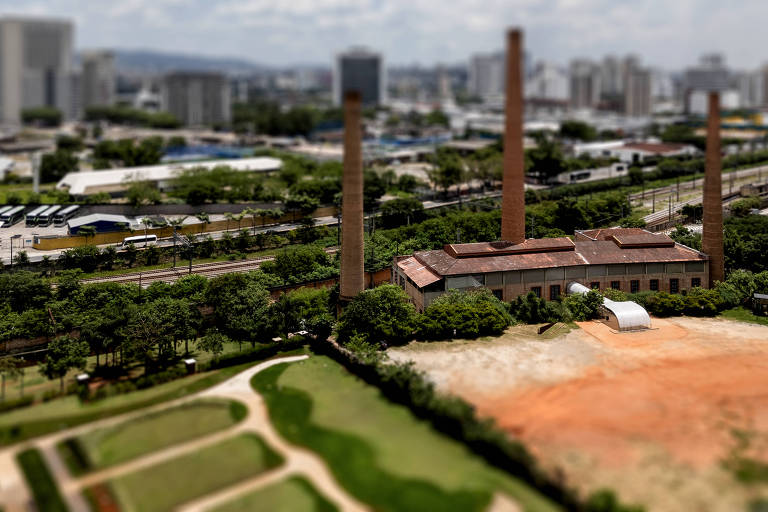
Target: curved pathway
pixel 15 496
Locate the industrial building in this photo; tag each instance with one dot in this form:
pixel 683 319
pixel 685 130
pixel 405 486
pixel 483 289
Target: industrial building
pixel 627 259
pixel 117 181
pixel 101 222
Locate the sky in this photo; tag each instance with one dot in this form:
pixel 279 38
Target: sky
pixel 670 34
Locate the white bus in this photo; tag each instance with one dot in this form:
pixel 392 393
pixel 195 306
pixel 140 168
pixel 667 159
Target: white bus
pixel 141 239
pixel 64 215
pixel 31 217
pixel 46 218
pixel 4 209
pixel 12 216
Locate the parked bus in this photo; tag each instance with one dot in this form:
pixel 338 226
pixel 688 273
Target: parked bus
pixel 141 239
pixel 62 216
pixel 4 209
pixel 46 218
pixel 32 215
pixel 12 216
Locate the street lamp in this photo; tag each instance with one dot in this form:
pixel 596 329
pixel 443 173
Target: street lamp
pixel 14 237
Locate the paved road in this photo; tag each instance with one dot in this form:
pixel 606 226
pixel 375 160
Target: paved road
pixel 15 496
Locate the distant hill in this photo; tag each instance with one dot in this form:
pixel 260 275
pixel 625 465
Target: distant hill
pixel 150 61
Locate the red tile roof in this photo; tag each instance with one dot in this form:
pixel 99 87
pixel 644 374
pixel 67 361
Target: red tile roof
pixel 607 252
pixel 643 240
pixel 608 233
pixel 444 264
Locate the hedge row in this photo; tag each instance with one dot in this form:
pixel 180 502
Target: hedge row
pixel 402 384
pixel 40 481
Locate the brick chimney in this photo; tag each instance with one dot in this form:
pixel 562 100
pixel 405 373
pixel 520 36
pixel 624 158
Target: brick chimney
pixel 712 236
pixel 352 274
pixel 513 198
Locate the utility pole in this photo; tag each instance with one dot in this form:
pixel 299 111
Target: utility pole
pixel 678 188
pixel 670 208
pixel 654 201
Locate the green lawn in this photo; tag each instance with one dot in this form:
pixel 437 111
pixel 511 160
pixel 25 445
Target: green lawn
pixel 744 315
pixel 114 445
pixel 377 450
pixel 69 411
pixel 292 495
pixel 166 485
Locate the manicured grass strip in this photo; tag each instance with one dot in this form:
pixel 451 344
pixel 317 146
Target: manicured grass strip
pixel 168 484
pixel 744 315
pixel 67 412
pixel 100 498
pixel 292 495
pixel 378 450
pixel 40 481
pixel 113 445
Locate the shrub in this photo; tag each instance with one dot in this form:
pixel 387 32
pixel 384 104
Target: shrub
pixel 584 306
pixel 701 302
pixel 40 481
pixel 381 315
pixel 464 314
pixel 666 304
pixel 535 310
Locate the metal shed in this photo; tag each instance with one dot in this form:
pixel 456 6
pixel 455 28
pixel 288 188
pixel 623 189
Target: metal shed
pixel 625 316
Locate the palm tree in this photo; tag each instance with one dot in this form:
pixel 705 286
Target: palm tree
pixel 229 216
pixel 175 224
pixel 146 221
pixel 264 214
pixel 204 218
pixel 87 231
pixel 239 218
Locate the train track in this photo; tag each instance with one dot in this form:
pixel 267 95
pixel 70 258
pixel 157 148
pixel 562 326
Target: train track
pixel 170 275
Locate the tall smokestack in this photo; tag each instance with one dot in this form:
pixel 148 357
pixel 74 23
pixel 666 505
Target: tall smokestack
pixel 712 235
pixel 513 193
pixel 352 278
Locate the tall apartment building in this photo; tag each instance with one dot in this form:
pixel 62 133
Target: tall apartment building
pixel 584 83
pixel 637 93
pixel 547 81
pixel 98 78
pixel 486 75
pixel 711 74
pixel 197 98
pixel 361 70
pixel 35 65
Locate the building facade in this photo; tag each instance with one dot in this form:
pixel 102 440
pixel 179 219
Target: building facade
pixel 35 65
pixel 584 89
pixel 486 75
pixel 637 93
pixel 98 79
pixel 197 98
pixel 627 259
pixel 359 70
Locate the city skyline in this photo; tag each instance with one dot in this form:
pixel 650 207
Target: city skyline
pixel 669 36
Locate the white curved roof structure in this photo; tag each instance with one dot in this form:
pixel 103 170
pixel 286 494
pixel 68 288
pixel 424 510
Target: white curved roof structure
pixel 630 315
pixel 574 287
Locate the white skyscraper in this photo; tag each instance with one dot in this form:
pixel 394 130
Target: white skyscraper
pixel 35 65
pixel 547 82
pixel 486 75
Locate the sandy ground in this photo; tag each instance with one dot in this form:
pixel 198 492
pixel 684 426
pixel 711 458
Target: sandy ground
pixel 651 414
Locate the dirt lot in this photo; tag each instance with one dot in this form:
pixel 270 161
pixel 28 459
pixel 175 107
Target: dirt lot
pixel 654 414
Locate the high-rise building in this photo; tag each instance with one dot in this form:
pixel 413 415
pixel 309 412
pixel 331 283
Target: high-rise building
pixel 98 78
pixel 711 74
pixel 611 76
pixel 637 93
pixel 35 65
pixel 197 98
pixel 359 70
pixel 547 81
pixel 584 83
pixel 486 75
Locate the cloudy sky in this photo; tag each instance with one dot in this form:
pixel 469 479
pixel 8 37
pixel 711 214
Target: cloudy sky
pixel 666 33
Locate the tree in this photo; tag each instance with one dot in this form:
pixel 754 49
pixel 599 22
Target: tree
pixel 240 306
pixel 381 315
pixel 56 165
pixel 69 143
pixel 301 204
pixel 9 369
pixel 448 170
pixel 578 130
pixel 546 160
pixel 175 225
pixel 213 342
pixel 21 258
pixel 41 116
pixel 64 353
pixel 87 232
pixel 204 219
pixel 464 314
pixel 397 212
pixel 141 192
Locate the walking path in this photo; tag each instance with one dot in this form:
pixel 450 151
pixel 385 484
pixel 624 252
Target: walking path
pixel 15 496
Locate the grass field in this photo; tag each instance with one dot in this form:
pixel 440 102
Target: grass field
pixel 292 495
pixel 163 486
pixel 69 411
pixel 744 315
pixel 155 431
pixel 377 450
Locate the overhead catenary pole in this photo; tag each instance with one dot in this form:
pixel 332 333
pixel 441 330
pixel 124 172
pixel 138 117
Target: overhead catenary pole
pixel 513 187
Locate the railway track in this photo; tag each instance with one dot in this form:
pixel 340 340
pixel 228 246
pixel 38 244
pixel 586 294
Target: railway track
pixel 170 275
